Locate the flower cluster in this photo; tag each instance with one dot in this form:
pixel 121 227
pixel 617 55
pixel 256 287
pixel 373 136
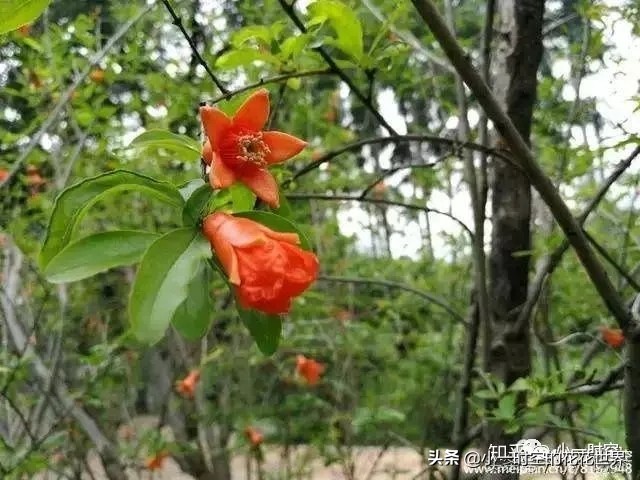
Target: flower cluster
pixel 267 269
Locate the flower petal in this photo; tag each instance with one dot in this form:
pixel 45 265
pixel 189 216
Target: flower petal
pixel 207 152
pixel 237 231
pixel 241 232
pixel 261 182
pixel 287 237
pixel 273 306
pixel 215 123
pixel 282 145
pixel 212 227
pixel 220 176
pixel 254 112
pixel 228 258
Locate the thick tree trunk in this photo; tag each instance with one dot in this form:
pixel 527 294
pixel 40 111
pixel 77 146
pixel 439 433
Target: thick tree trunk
pixel 519 50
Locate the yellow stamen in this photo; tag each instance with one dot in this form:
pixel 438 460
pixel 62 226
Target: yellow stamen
pixel 252 149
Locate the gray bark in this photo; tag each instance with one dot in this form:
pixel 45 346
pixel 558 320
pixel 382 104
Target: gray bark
pixel 519 50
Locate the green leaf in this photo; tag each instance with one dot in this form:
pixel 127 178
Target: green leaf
pixel 506 408
pixel 294 83
pixel 162 283
pixel 196 205
pixel 344 22
pixel 32 43
pixel 187 189
pixel 520 385
pixel 250 32
pixel 293 46
pixel 187 148
pixel 284 210
pixel 243 57
pixel 277 223
pixel 193 316
pixel 241 197
pixel 16 13
pixel 74 201
pixel 98 253
pixel 265 329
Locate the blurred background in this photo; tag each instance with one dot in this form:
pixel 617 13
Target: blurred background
pixel 394 318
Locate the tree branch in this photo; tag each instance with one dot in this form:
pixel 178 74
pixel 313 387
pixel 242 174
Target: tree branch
pixel 66 96
pixel 553 260
pixel 177 21
pixel 275 79
pixel 526 160
pixel 390 171
pixel 611 261
pixel 453 143
pixel 320 196
pixel 401 286
pixel 289 10
pixel 19 339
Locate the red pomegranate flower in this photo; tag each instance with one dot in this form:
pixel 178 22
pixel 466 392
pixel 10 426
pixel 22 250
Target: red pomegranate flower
pixel 267 268
pixel 156 461
pixel 187 386
pixel 238 150
pixel 309 369
pixel 254 436
pixel 612 336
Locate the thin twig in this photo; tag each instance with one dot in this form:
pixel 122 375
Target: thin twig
pixel 379 201
pixel 177 21
pixel 453 143
pixel 525 158
pixel 66 96
pixel 390 171
pixel 290 11
pixel 553 260
pixel 401 286
pixel 612 261
pixel 276 79
pixel 483 182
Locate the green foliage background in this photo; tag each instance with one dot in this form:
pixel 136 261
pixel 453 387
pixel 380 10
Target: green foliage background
pixel 394 359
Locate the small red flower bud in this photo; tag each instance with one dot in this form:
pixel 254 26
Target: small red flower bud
pixel 612 336
pixel 156 461
pixel 254 436
pixel 187 386
pixel 309 369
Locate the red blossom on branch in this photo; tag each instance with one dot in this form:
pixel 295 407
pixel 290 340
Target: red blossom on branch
pixel 309 369
pixel 238 150
pixel 267 268
pixel 187 386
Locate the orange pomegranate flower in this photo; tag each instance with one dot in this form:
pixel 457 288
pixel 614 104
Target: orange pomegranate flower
pixel 4 174
pixel 97 75
pixel 612 336
pixel 254 436
pixel 309 369
pixel 239 151
pixel 267 268
pixel 155 462
pixel 187 386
